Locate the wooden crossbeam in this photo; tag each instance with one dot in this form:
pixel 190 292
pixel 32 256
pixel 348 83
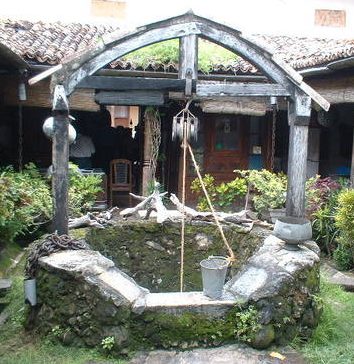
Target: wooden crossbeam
pixel 131 83
pixel 130 98
pixel 240 89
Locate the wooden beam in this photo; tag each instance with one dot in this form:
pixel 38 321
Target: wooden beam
pixel 239 89
pixel 131 83
pixel 130 98
pixel 297 160
pixel 60 160
pixel 116 46
pixel 44 74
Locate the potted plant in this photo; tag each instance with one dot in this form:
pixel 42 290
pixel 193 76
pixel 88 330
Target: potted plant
pixel 268 192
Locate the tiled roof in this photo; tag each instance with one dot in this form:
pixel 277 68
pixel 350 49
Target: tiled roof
pixel 51 43
pixel 303 52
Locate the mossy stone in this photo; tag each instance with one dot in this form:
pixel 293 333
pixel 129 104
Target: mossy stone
pixel 264 337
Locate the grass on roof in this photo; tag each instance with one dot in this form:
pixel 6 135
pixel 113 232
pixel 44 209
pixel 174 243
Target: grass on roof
pixel 209 54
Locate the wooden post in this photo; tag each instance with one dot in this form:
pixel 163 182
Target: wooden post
pixel 299 117
pixel 147 173
pixel 60 160
pixel 188 61
pixel 313 154
pixel 352 166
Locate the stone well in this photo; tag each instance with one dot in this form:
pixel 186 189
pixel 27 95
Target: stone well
pixel 269 299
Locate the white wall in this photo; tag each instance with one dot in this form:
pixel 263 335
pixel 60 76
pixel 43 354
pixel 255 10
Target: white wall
pixel 266 16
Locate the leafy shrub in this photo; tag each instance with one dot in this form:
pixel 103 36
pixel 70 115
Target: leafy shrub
pixel 25 202
pixel 269 189
pixel 247 324
pixel 222 196
pixel 321 204
pixel 343 257
pixel 83 189
pixel 344 220
pixel 108 343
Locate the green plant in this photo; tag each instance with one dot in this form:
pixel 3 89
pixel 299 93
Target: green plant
pixel 247 323
pixel 344 219
pixel 57 331
pixel 222 196
pixel 25 202
pixel 324 228
pixel 167 52
pixel 343 257
pixel 83 190
pixel 108 343
pixel 321 204
pixel 268 189
pixel 333 340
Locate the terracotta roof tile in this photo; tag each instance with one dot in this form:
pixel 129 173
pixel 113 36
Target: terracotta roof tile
pixel 51 43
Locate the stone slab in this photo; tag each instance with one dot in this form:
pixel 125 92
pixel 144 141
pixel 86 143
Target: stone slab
pixel 179 302
pixel 344 279
pixel 86 262
pixel 123 284
pixel 230 354
pixel 270 268
pixel 5 284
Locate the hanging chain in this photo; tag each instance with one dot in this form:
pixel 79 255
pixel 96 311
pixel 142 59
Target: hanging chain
pixel 274 122
pixel 51 244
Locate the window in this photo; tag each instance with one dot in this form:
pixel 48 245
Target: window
pixel 330 18
pixel 226 134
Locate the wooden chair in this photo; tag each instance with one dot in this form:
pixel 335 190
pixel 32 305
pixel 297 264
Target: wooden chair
pixel 120 178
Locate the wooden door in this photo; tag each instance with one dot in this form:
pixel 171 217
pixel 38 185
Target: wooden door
pixel 226 145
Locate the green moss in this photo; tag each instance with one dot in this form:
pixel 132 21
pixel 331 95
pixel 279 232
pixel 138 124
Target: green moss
pixel 156 269
pixel 195 329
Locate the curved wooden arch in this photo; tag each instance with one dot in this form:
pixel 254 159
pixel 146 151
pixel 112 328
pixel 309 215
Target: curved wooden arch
pixel 118 45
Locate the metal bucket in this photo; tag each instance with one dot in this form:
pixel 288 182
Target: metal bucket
pixel 213 274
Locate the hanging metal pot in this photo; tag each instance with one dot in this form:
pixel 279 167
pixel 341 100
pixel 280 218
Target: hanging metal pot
pixel 48 129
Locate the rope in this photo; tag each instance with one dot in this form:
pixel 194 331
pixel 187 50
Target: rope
pixel 53 243
pixel 232 255
pixel 184 146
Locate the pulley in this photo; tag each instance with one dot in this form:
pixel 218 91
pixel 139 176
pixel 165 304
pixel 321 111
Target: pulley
pixel 185 120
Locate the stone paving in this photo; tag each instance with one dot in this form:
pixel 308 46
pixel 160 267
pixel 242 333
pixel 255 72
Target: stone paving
pixel 344 279
pixel 230 354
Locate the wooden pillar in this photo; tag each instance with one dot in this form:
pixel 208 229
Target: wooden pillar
pixel 60 160
pixel 352 166
pixel 147 173
pixel 299 117
pixel 188 61
pixel 313 155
